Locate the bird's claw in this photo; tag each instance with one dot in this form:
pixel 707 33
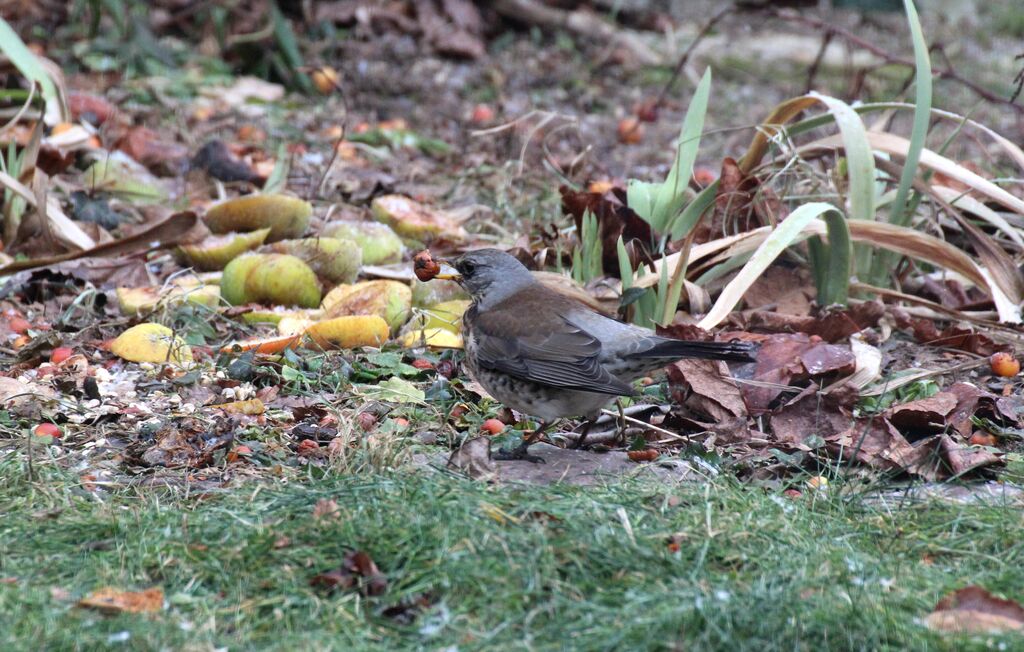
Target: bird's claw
pixel 517 454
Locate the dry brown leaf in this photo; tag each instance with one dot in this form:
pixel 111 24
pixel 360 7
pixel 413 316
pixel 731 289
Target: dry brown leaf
pixel 973 609
pixel 114 601
pixel 615 219
pixel 326 509
pixel 923 415
pixel 473 458
pixel 705 386
pixel 358 570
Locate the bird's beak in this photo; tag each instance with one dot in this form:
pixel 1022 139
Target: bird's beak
pixel 448 276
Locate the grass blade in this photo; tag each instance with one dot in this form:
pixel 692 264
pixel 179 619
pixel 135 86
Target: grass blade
pixel 922 115
pixel 33 69
pixel 789 231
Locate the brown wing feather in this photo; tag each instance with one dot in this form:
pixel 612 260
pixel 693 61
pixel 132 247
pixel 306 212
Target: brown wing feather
pixel 545 349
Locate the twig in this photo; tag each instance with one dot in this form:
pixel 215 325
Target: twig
pixel 1019 80
pixel 946 73
pixel 685 57
pixel 812 72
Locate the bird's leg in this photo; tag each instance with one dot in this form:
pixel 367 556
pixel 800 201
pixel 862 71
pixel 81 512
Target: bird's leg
pixel 587 425
pixel 519 452
pixel 620 423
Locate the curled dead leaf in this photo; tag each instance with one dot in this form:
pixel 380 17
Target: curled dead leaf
pixel 973 609
pixel 358 571
pixel 114 601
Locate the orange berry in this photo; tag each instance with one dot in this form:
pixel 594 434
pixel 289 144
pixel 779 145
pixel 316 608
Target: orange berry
pixel 60 128
pixel 325 79
pixel 646 455
pixel 982 438
pixel 631 131
pixel 251 133
pixel 1004 364
pixel 600 187
pixel 493 426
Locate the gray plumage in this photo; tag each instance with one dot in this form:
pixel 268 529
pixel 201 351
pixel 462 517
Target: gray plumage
pixel 544 354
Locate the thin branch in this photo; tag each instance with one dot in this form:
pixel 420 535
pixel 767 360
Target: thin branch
pixel 685 57
pixel 946 73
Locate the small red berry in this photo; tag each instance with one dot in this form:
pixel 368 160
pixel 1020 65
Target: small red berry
pixel 47 430
pixel 493 426
pixel 61 353
pixel 19 325
pixel 482 114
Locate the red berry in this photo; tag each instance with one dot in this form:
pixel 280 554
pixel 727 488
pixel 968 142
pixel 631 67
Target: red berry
pixel 482 114
pixel 647 111
pixel 493 426
pixel 19 325
pixel 238 452
pixel 47 430
pixel 61 353
pixel 307 446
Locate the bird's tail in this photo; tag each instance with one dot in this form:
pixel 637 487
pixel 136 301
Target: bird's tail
pixel 728 351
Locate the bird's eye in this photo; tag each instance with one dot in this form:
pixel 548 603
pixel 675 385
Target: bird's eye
pixel 467 268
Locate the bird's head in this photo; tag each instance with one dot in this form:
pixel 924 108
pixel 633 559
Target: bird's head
pixel 489 275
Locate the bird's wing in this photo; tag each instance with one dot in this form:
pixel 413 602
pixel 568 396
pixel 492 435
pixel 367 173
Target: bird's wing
pixel 554 353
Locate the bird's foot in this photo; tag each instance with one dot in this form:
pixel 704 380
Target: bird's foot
pixel 517 454
pixel 578 444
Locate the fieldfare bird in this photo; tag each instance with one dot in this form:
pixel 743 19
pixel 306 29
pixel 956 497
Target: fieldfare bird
pixel 549 356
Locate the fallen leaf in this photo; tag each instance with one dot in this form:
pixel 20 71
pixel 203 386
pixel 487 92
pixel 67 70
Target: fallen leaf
pixel 703 386
pixel 615 219
pixel 114 601
pixel 147 147
pixel 833 326
pixel 785 360
pixel 251 406
pixel 973 609
pixel 953 337
pixel 473 458
pixel 358 571
pixel 325 508
pixel 923 415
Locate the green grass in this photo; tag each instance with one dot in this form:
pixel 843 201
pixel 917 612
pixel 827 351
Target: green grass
pixel 755 570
